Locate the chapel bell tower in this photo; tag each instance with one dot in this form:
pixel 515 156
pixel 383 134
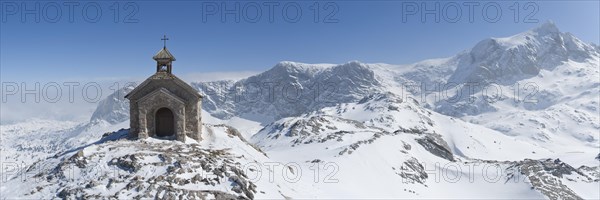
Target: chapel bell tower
pixel 164 58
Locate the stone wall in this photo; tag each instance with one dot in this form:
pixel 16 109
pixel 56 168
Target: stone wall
pixel 165 90
pixel 149 104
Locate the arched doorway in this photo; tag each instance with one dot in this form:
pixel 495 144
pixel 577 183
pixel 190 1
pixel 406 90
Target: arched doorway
pixel 165 123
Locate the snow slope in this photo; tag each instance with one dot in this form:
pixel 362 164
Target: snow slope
pixel 382 147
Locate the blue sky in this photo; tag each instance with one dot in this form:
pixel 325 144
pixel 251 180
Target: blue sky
pixel 368 31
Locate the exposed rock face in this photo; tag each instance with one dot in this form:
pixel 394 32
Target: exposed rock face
pixel 413 172
pixel 317 129
pixel 437 146
pixel 547 177
pixel 592 172
pixel 290 89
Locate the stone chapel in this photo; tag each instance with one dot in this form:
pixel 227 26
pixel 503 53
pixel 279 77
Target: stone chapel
pixel 164 106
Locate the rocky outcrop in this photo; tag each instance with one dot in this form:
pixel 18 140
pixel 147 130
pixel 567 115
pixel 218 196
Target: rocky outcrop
pixel 547 177
pixel 437 146
pixel 412 172
pixel 137 169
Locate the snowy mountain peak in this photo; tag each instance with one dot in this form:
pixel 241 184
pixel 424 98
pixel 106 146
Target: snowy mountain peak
pixel 509 59
pixel 543 34
pixel 354 62
pixel 114 108
pixel 540 36
pixel 546 28
pixel 296 67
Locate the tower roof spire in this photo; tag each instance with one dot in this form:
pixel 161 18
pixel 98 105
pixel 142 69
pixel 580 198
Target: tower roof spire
pixel 164 58
pixel 164 54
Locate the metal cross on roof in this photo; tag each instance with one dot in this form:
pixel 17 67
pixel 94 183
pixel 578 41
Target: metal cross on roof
pixel 165 40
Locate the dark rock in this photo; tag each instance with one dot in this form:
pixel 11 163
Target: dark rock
pixel 437 146
pixel 412 171
pixel 545 177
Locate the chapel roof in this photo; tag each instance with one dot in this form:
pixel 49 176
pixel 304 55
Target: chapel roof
pixel 164 54
pixel 165 76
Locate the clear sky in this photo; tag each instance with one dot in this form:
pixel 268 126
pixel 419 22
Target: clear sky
pixel 71 43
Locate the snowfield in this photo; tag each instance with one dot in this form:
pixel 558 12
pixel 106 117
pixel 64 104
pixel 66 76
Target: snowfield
pixel 511 118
